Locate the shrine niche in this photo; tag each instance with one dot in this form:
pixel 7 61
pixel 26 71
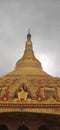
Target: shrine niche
pixel 4 93
pixel 23 127
pixel 57 93
pixel 22 93
pixel 49 93
pixel 3 127
pixel 43 127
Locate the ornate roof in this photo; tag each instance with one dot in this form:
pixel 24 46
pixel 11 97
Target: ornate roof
pixel 28 88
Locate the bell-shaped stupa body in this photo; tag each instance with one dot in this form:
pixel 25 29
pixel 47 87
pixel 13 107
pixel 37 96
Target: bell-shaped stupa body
pixel 28 64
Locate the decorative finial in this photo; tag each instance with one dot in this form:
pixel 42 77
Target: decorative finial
pixel 29 35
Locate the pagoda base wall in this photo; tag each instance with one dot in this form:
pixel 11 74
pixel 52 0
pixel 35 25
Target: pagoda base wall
pixel 32 121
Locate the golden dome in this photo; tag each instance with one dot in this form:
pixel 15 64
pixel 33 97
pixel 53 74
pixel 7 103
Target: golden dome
pixel 29 86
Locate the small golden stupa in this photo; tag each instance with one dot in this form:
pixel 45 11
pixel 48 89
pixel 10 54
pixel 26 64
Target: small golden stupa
pixel 28 88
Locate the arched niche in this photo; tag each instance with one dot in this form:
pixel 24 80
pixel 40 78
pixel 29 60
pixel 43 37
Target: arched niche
pixel 3 127
pixel 43 127
pixel 23 127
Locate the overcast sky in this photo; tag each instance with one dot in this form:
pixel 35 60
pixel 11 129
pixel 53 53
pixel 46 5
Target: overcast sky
pixel 43 19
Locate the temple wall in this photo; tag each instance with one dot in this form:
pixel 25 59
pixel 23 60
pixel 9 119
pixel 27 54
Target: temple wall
pixel 31 121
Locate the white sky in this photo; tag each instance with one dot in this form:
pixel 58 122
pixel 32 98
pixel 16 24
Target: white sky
pixel 43 19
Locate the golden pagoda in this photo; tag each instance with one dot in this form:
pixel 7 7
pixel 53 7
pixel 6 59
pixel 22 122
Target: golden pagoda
pixel 28 90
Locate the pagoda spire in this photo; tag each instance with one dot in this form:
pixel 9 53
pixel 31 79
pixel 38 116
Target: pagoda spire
pixel 28 59
pixel 29 35
pixel 28 53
